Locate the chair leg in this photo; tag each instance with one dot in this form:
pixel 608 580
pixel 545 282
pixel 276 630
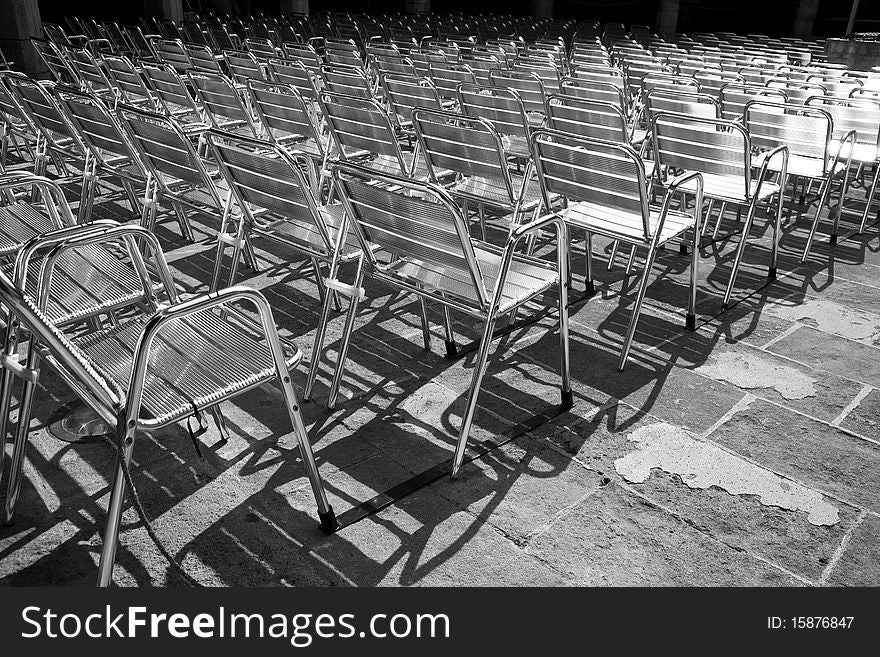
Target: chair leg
pixel 343 344
pixel 426 327
pixel 823 199
pixel 637 306
pixel 841 199
pixel 13 487
pixel 614 248
pixel 870 198
pixel 691 319
pixel 589 284
pixel 740 250
pixel 318 346
pixel 476 381
pixel 451 346
pixel 564 347
pixel 114 510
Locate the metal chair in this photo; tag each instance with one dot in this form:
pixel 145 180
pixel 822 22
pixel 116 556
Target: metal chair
pixel 16 129
pixel 361 131
pixel 807 133
pixel 108 149
pixel 58 66
pixel 346 80
pixel 530 89
pixel 177 174
pixel 292 72
pixel 275 201
pixel 161 367
pixel 243 66
pixel 174 99
pixel 414 237
pixel 223 106
pixel 606 193
pixel 128 82
pixel 56 139
pixel 861 115
pixel 473 150
pixel 504 109
pixel 721 151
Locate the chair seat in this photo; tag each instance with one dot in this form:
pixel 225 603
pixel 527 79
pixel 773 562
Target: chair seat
pixel 305 235
pixel 731 188
pixel 492 191
pixel 799 165
pixel 622 224
pixel 526 278
pixel 195 361
pixel 19 222
pixel 862 153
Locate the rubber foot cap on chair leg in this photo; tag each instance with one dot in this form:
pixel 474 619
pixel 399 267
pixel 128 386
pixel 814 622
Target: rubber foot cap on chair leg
pixel 833 240
pixel 567 400
pixel 683 249
pixel 328 521
pixel 690 322
pixel 771 273
pixel 451 349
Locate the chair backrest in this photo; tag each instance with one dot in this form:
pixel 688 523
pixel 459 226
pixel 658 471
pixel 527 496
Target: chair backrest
pixel 293 73
pixel 406 93
pixel 283 113
pixel 383 64
pixel 712 81
pixel 98 128
pixel 127 80
pixel 710 146
pixel 418 224
pixel 163 148
pixel 223 105
pixel 805 130
pixel 594 171
pixel 592 90
pixel 57 65
pixel 503 108
pixel 306 55
pixel 140 46
pixel 243 66
pixel 859 114
pixel 267 179
pixel 735 96
pixel 43 112
pixel 172 94
pixel 9 110
pixel 447 77
pixel 172 53
pixel 347 80
pixel 90 74
pixel 361 129
pixel 469 146
pixel 587 118
pixel 202 58
pixel 526 83
pixel 796 92
pixel 262 49
pixel 681 102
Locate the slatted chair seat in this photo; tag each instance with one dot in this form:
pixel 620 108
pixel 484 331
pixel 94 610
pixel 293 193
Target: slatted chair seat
pixel 19 222
pixel 493 191
pixel 619 223
pixel 304 234
pixel 199 359
pixel 806 166
pixel 731 188
pixel 526 278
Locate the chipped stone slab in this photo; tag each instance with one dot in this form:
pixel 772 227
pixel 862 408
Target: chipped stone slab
pixel 864 419
pixel 832 317
pixel 822 457
pixel 750 371
pixel 702 465
pixel 831 353
pixel 860 563
pixel 615 538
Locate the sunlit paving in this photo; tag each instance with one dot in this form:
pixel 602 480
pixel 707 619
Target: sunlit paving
pixel 433 299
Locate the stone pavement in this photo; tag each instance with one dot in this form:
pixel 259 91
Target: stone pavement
pixel 744 453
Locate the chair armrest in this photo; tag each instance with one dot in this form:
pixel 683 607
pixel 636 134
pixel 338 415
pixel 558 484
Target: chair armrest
pixel 762 172
pixel 671 189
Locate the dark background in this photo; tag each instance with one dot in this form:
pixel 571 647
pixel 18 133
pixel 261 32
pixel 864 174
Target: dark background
pixel 773 17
